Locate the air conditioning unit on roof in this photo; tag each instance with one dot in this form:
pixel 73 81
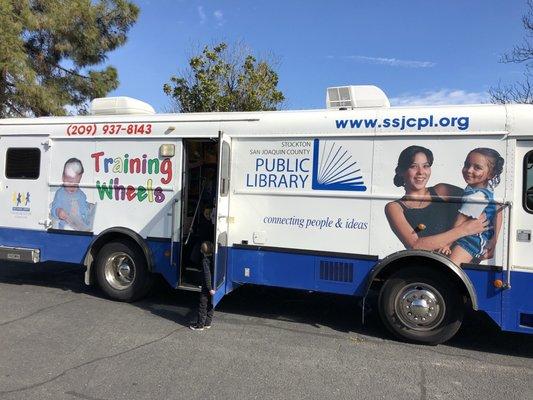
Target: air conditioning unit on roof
pixel 120 106
pixel 355 96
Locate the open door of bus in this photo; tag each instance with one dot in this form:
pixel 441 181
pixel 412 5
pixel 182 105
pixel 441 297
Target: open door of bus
pixel 220 257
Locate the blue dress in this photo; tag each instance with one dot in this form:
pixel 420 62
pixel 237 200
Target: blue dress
pixel 475 244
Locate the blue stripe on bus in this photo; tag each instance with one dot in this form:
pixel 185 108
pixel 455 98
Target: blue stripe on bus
pixel 511 309
pixel 489 298
pixel 160 250
pixel 299 271
pixel 71 247
pixel 63 247
pixel 517 303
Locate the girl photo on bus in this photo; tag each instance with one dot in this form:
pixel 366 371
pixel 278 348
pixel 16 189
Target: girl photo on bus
pixel 481 171
pixel 424 217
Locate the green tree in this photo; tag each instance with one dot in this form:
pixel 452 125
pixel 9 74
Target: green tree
pixel 223 79
pixel 47 49
pixel 521 91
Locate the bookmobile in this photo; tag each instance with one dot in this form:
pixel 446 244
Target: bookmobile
pixel 431 207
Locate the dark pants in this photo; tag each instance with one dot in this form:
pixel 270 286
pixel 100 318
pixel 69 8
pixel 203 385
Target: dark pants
pixel 205 309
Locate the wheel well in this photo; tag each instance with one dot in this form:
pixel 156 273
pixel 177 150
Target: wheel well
pixel 405 262
pixel 107 237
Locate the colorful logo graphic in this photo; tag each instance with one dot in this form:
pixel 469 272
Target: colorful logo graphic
pixel 20 201
pixel 334 168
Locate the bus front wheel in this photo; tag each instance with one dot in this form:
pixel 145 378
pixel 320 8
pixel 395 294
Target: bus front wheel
pixel 421 305
pixel 122 271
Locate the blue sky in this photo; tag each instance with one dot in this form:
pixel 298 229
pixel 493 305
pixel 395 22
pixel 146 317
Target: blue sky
pixel 418 52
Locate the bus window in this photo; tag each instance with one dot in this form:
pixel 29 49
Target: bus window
pixel 528 182
pixel 23 163
pixel 224 169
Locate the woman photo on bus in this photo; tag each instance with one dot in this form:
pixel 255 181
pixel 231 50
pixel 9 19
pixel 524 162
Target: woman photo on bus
pixel 481 172
pixel 424 217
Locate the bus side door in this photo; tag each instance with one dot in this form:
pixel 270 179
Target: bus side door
pixel 220 257
pixel 523 207
pixel 24 186
pixel 517 304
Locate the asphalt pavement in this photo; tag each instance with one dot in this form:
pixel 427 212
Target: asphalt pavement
pixel 62 340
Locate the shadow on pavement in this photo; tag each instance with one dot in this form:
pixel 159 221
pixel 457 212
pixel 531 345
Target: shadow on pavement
pixel 480 333
pixel 340 313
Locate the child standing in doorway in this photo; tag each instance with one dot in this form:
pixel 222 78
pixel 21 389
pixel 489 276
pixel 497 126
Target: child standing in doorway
pixel 70 207
pixel 205 308
pixel 481 171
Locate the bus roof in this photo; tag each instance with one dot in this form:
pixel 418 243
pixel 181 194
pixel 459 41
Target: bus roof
pixel 514 119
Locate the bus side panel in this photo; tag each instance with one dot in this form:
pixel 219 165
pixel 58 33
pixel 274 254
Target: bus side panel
pixel 121 183
pixel 489 298
pixel 133 186
pixel 444 177
pixel 518 303
pixel 296 270
pixel 301 193
pixel 63 247
pixel 160 251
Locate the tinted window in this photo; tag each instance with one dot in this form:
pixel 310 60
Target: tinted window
pixel 23 163
pixel 225 169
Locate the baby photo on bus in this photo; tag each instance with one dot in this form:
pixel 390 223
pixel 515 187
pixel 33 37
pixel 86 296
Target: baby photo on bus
pixel 70 209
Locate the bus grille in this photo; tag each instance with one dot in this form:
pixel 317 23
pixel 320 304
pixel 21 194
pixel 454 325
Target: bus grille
pixel 336 271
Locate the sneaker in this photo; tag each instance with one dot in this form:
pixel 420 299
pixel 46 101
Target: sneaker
pixel 197 327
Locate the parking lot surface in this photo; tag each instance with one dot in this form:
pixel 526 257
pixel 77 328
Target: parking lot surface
pixel 62 340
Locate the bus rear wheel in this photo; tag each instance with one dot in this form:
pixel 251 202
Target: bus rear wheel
pixel 421 305
pixel 122 271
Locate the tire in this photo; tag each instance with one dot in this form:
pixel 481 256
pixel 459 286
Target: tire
pixel 421 305
pixel 122 271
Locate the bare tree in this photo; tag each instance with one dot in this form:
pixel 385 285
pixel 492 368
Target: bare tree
pixel 521 91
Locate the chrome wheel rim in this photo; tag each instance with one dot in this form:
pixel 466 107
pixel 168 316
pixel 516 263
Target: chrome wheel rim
pixel 420 306
pixel 119 271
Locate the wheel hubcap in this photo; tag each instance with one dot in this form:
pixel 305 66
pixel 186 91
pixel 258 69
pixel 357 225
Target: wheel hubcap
pixel 119 271
pixel 420 306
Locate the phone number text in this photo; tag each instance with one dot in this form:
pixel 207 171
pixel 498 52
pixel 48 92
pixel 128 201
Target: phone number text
pixel 108 129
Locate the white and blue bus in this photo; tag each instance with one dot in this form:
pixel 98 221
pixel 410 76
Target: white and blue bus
pixel 431 207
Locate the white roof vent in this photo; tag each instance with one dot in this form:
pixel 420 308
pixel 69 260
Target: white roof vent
pixel 120 106
pixel 350 97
